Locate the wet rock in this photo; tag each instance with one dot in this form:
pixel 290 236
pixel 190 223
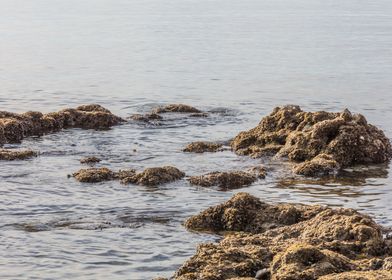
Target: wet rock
pixel 176 108
pixel 154 176
pixel 202 147
pixel 229 180
pixel 331 140
pixel 90 160
pixel 125 173
pixel 6 154
pixel 290 241
pixel 360 275
pixel 245 212
pixel 94 175
pixel 146 118
pixel 15 127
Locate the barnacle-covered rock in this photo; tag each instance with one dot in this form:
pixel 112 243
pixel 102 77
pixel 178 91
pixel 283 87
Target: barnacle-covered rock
pixel 323 141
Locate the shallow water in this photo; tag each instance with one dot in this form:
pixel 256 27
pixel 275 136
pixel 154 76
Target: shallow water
pixel 237 58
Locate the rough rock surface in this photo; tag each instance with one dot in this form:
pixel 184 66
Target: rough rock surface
pixel 228 180
pixel 176 108
pixel 7 154
pixel 94 175
pixel 202 147
pixel 146 118
pixel 287 242
pixel 15 127
pixel 324 142
pixel 154 176
pixel 90 160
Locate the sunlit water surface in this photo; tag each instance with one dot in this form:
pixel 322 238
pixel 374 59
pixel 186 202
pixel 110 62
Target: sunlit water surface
pixel 237 58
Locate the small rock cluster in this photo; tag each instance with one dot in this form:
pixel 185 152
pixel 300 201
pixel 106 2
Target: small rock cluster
pixel 15 127
pixel 287 242
pixel 319 143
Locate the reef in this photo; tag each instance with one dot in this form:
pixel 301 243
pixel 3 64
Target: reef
pixel 202 147
pixel 154 176
pixel 10 154
pixel 287 242
pixel 15 127
pixel 90 160
pixel 149 177
pixel 229 180
pixel 319 143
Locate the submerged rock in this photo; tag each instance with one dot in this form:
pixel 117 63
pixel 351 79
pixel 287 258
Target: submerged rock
pixel 15 127
pixel 202 147
pixel 323 141
pixel 230 179
pixel 7 154
pixel 154 176
pixel 146 118
pixel 287 242
pixel 176 108
pixel 90 160
pixel 94 175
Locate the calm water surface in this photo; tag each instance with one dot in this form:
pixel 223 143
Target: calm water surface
pixel 237 58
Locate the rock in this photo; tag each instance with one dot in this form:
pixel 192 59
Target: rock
pixel 263 274
pixel 176 108
pixel 7 154
pixel 245 212
pixel 15 127
pixel 94 175
pixel 122 174
pixel 360 275
pixel 146 117
pixel 90 160
pixel 154 176
pixel 202 147
pixel 224 180
pixel 323 142
pixel 290 241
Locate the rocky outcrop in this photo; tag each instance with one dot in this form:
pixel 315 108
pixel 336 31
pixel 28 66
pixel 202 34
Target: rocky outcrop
pixel 94 175
pixel 286 242
pixel 202 147
pixel 228 180
pixel 15 127
pixel 176 108
pixel 320 142
pixel 10 154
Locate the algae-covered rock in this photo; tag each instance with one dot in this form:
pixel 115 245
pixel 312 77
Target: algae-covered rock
pixel 8 154
pixel 94 175
pixel 90 160
pixel 154 176
pixel 324 141
pixel 176 108
pixel 224 180
pixel 286 241
pixel 202 147
pixel 146 118
pixel 360 275
pixel 245 212
pixel 15 127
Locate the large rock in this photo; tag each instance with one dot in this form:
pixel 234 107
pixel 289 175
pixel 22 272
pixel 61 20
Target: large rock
pixel 323 141
pixel 286 242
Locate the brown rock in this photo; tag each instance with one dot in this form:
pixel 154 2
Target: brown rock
pixel 94 175
pixel 176 108
pixel 288 241
pixel 146 117
pixel 202 147
pixel 90 160
pixel 229 180
pixel 331 140
pixel 7 154
pixel 15 127
pixel 154 176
